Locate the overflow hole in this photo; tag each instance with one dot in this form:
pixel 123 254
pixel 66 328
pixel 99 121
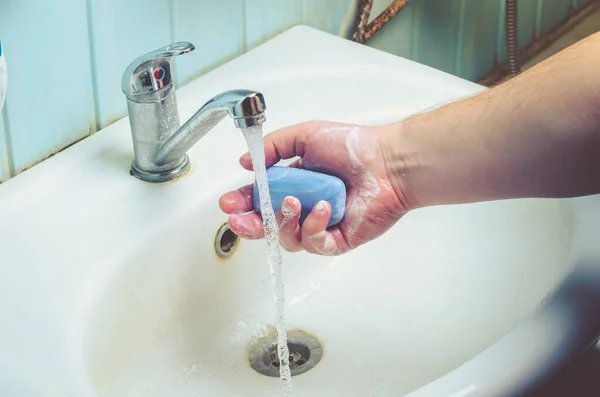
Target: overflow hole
pixel 226 242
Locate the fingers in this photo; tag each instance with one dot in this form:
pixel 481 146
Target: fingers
pixel 289 230
pixel 237 201
pixel 242 222
pixel 312 236
pixel 249 225
pixel 315 237
pixel 285 143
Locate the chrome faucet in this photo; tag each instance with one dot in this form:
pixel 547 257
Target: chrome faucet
pixel 159 143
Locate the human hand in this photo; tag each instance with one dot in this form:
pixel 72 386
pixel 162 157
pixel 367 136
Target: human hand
pixel 352 153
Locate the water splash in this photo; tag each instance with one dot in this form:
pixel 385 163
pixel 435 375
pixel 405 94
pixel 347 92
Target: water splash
pixel 254 140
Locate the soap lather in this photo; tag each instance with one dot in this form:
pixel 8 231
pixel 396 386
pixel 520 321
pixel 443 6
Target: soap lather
pixel 308 187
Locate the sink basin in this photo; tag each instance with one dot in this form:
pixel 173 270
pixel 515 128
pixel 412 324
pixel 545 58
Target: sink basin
pixel 114 287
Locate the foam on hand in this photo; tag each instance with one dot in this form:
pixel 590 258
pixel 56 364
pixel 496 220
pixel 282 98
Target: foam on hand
pixel 2 78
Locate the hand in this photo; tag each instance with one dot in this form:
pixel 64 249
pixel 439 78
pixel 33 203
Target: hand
pixel 352 153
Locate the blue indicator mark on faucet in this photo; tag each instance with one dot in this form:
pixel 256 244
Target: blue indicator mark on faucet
pixel 0 48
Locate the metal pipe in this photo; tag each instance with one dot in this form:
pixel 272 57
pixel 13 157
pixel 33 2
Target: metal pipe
pixel 386 15
pixel 512 37
pixel 362 20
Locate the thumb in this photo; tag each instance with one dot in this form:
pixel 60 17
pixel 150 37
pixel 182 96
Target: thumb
pixel 285 143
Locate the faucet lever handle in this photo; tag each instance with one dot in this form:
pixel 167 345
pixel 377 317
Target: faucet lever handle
pixel 179 48
pixel 151 72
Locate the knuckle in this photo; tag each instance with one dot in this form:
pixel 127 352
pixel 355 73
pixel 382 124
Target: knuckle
pixel 309 247
pixel 288 241
pixel 294 247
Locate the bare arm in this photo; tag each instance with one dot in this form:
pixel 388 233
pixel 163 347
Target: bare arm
pixel 537 135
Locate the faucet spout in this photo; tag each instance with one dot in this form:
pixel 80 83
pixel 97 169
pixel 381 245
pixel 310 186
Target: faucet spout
pixel 245 107
pixel 159 142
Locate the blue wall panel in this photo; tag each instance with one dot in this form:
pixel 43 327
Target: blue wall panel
pixel 396 37
pixel 66 84
pixel 120 32
pixel 217 34
pixel 332 16
pixel 4 164
pixel 478 42
pixel 552 13
pixel 50 98
pixel 526 19
pixel 267 18
pixel 436 33
pixel 578 4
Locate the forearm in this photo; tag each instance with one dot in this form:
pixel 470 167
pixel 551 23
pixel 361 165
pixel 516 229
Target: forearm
pixel 537 135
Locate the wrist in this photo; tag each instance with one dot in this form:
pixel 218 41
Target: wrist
pixel 399 165
pixel 425 165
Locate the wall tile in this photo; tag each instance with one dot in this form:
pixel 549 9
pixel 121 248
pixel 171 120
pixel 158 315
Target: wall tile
pixel 378 7
pixel 526 21
pixel 267 18
pixel 214 27
pixel 396 37
pixel 49 101
pixel 481 20
pixel 120 32
pixel 4 165
pixel 578 4
pixel 435 33
pixel 70 80
pixel 552 13
pixel 332 16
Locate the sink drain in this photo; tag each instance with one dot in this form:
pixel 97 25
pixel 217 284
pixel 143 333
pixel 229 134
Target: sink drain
pixel 226 242
pixel 305 352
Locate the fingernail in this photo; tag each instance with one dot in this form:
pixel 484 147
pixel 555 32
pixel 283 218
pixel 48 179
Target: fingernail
pixel 286 209
pixel 321 207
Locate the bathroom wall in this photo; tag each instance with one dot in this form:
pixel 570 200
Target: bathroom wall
pixel 65 58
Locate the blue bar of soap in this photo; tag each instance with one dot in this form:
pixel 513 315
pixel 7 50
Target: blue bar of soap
pixel 308 187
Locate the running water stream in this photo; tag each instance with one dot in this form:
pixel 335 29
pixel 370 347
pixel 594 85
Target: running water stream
pixel 254 139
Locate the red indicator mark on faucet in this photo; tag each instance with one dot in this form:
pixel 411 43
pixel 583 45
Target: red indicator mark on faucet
pixel 159 74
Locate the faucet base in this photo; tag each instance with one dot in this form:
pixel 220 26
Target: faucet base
pixel 161 176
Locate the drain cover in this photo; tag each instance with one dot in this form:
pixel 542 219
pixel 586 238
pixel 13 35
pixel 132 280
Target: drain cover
pixel 305 352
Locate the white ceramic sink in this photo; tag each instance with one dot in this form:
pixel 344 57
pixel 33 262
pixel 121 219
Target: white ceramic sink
pixel 110 286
